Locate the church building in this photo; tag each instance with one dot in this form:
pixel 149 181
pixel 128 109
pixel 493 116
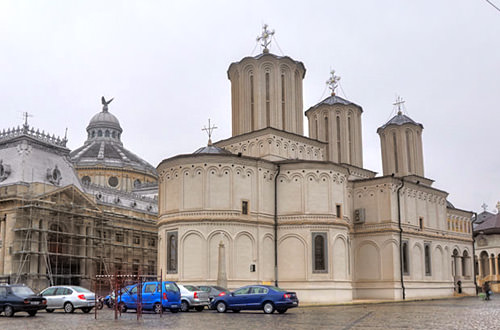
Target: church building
pixel 301 211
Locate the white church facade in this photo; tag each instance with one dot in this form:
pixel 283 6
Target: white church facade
pixel 301 211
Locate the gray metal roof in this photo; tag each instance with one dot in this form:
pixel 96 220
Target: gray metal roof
pixel 334 99
pixel 211 149
pixel 399 120
pixel 27 156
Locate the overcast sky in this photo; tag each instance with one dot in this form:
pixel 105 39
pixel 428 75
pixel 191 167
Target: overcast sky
pixel 165 63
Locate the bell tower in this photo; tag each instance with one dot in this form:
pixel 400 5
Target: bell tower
pixel 401 144
pixel 266 91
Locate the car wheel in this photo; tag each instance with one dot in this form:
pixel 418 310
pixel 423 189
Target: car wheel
pixel 8 311
pixel 184 306
pixel 282 310
pixel 86 309
pixel 99 305
pixel 122 308
pixel 68 307
pixel 221 307
pixel 199 308
pixel 32 313
pixel 48 310
pixel 268 307
pixel 174 310
pixel 157 308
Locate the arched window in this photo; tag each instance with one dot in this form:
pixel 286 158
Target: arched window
pixel 349 136
pixel 427 252
pixel 326 129
pixel 93 134
pixel 99 133
pixel 172 252
pixel 408 148
pixel 107 134
pixel 394 141
pixel 137 183
pixel 339 159
pixel 283 112
pixel 465 264
pixel 268 100
pixel 485 263
pixel 406 258
pixel 319 252
pixel 86 180
pixel 252 103
pixel 113 135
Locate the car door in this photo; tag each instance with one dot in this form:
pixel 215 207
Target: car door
pixel 3 297
pixel 240 297
pixel 60 297
pixel 173 294
pixel 50 295
pixel 148 293
pixel 256 297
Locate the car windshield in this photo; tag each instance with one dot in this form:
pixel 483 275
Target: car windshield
pixel 191 288
pixel 80 289
pixel 22 290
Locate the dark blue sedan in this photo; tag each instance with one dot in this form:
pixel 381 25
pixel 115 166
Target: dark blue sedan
pixel 254 297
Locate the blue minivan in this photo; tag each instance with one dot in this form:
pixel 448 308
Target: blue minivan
pixel 154 297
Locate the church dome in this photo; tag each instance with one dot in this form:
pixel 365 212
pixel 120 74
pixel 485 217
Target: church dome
pixel 399 120
pixel 211 149
pixel 104 119
pixel 104 147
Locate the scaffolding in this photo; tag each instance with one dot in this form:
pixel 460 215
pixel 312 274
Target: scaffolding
pixel 59 239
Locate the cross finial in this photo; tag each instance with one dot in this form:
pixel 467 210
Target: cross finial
pixel 498 207
pixel 265 38
pixel 209 131
pixel 484 207
pixel 25 118
pixel 333 82
pixel 399 103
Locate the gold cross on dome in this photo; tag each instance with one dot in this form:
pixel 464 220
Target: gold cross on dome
pixel 265 38
pixel 333 82
pixel 399 103
pixel 209 131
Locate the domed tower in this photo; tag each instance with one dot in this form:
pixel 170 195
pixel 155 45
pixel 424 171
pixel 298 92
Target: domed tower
pixel 401 144
pixel 103 160
pixel 266 91
pixel 338 122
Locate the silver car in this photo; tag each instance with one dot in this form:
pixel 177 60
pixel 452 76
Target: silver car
pixel 68 298
pixel 193 297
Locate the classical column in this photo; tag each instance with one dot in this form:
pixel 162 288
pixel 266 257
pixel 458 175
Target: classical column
pixel 496 266
pixel 480 267
pixel 221 274
pixel 491 265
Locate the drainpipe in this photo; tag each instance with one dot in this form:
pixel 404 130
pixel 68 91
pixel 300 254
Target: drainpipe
pixel 401 240
pixel 474 252
pixel 276 227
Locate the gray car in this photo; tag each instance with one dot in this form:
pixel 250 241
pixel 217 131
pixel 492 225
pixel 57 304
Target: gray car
pixel 193 297
pixel 69 298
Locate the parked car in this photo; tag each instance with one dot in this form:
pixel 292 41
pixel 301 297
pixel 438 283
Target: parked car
pixel 193 297
pixel 214 291
pixel 20 298
pixel 154 297
pixel 69 298
pixel 254 297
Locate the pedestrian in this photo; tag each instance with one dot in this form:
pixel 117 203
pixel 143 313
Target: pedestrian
pixel 486 290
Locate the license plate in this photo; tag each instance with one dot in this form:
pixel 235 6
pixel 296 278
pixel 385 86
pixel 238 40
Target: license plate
pixel 295 303
pixel 174 306
pixel 35 303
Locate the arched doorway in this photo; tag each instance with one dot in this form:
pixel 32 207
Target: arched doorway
pixel 484 263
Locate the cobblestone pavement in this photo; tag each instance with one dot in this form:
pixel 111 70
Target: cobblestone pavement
pixel 459 313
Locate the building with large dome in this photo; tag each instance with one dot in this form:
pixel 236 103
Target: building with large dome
pixel 104 161
pixel 271 205
pixel 68 216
